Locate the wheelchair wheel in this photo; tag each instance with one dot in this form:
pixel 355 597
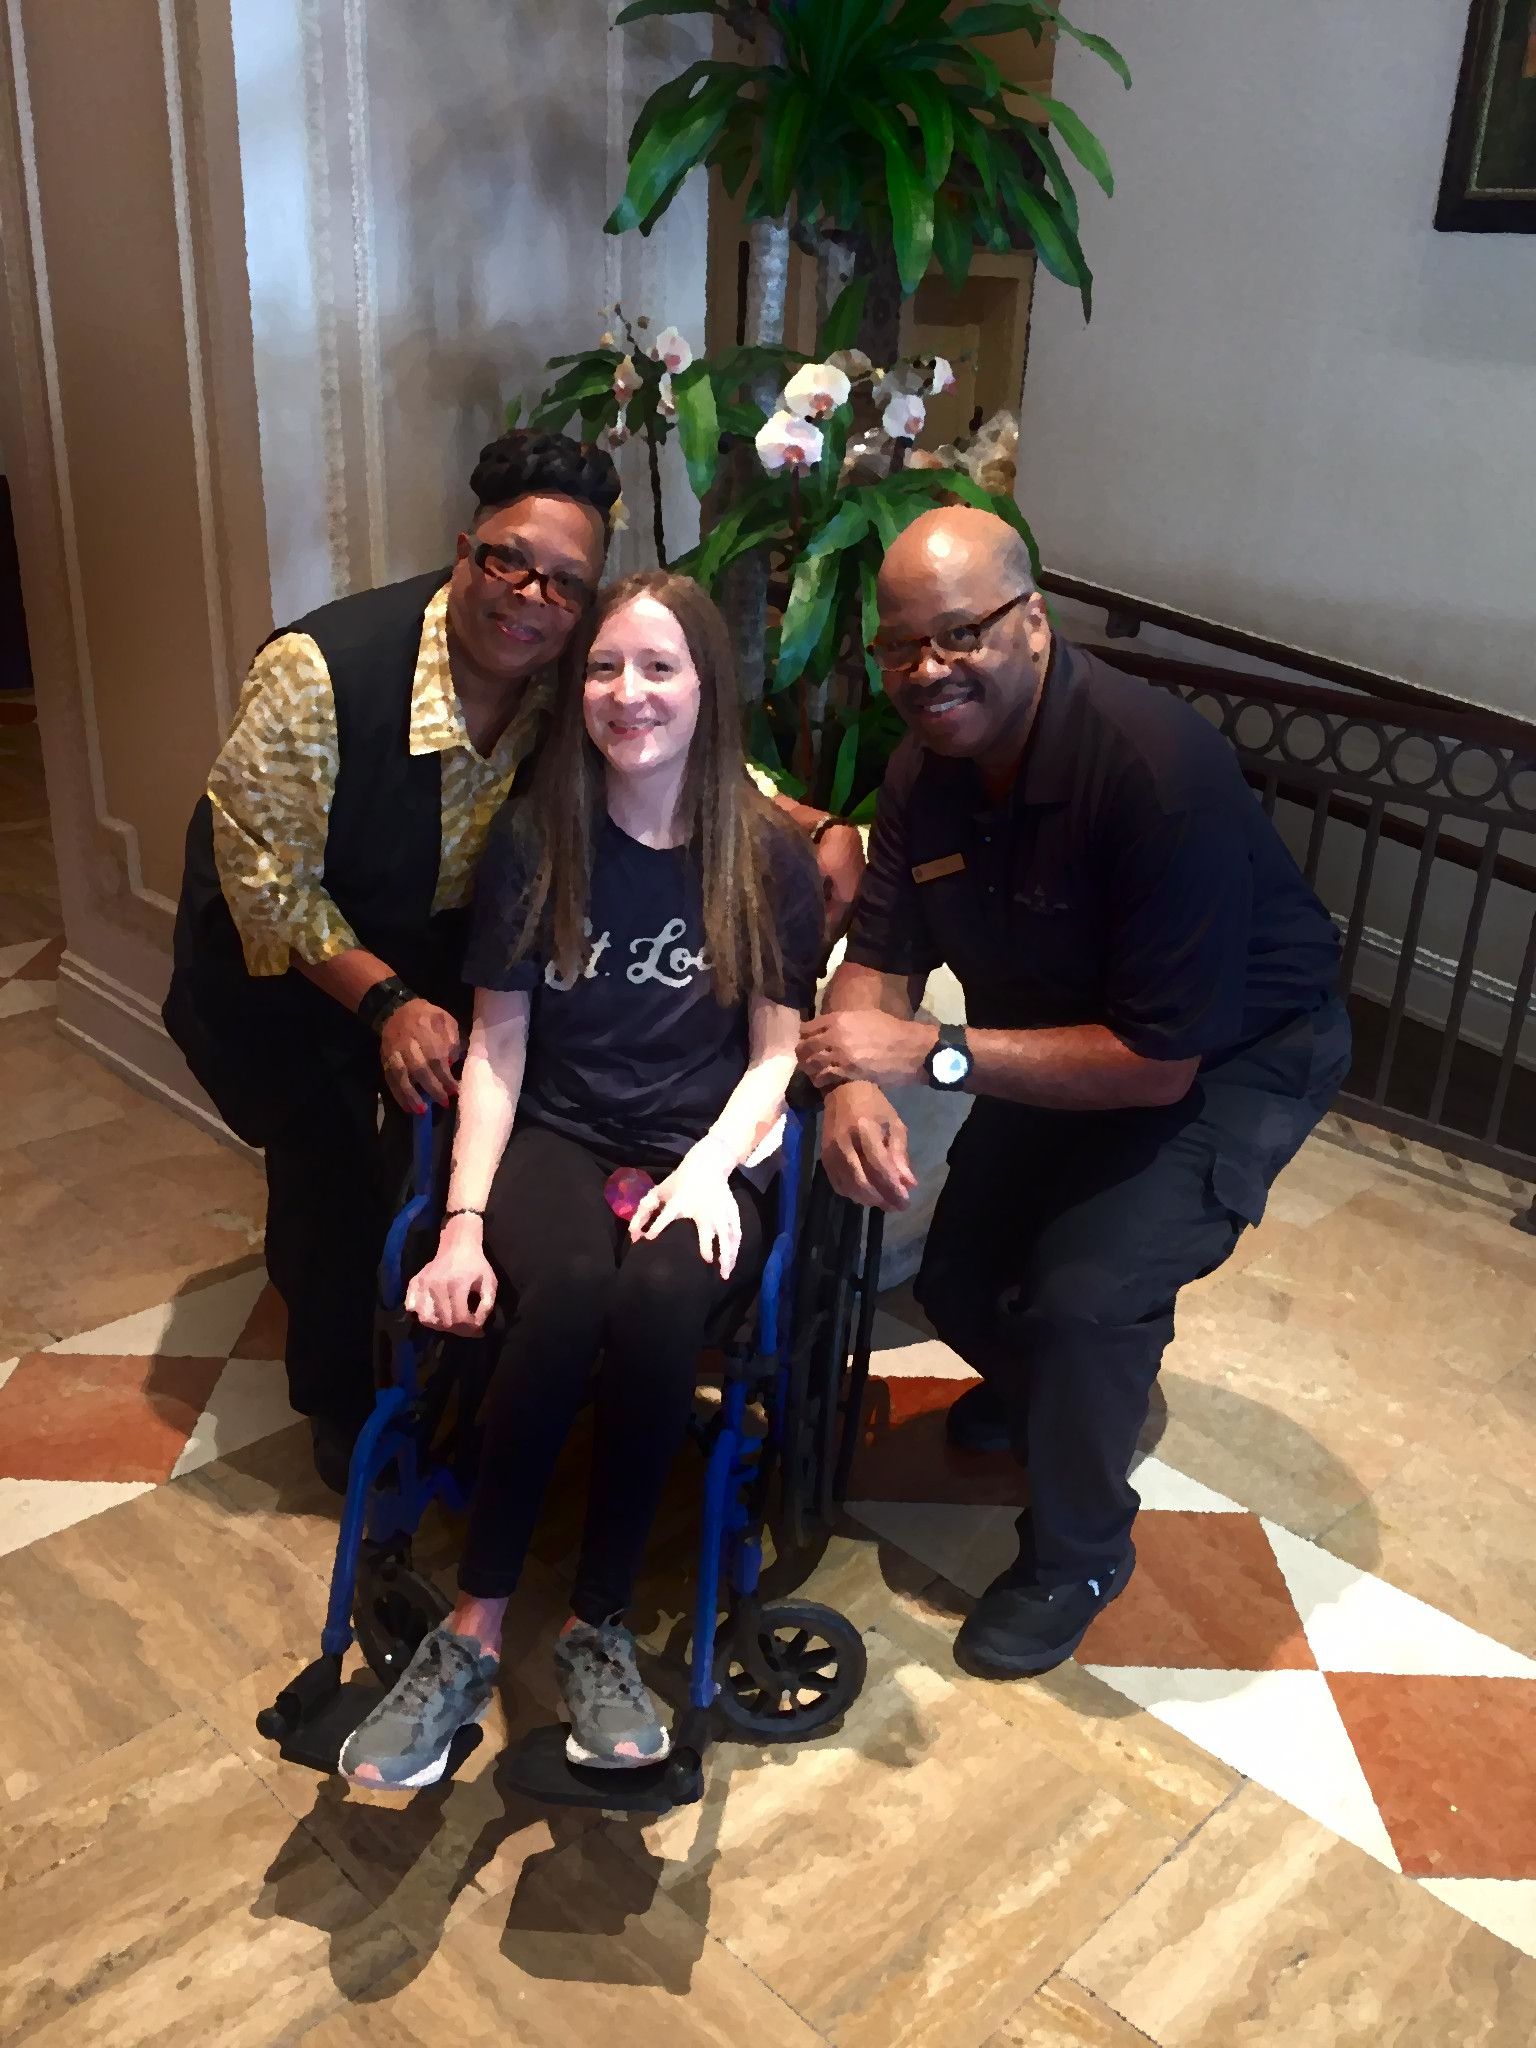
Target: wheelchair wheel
pixel 791 1671
pixel 394 1608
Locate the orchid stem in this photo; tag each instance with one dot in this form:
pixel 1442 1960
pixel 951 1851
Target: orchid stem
pixel 658 528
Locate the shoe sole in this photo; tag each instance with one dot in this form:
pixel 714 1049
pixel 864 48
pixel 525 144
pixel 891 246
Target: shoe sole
pixel 429 1774
pixel 575 1754
pixel 1047 1660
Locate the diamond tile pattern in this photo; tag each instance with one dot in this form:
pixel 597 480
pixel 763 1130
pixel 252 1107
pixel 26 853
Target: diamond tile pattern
pixel 1401 1729
pixel 97 1417
pixel 29 975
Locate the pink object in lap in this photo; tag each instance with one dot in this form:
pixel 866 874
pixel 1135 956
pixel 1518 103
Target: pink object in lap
pixel 625 1189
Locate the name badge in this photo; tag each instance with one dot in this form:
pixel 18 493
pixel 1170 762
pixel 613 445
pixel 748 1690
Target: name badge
pixel 935 870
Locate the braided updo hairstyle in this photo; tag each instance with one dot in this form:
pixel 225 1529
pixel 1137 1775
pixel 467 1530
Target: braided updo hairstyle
pixel 522 462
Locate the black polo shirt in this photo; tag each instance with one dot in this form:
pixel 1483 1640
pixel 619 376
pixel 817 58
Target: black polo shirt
pixel 1131 878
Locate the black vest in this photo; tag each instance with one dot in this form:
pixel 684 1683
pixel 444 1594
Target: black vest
pixel 260 1045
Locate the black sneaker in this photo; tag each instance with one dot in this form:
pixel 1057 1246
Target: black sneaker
pixel 1018 1629
pixel 977 1422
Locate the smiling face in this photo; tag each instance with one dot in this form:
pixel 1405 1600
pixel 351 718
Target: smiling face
pixel 948 570
pixel 505 632
pixel 641 697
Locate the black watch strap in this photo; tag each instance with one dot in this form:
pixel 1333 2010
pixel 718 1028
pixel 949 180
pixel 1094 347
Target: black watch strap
pixel 382 1001
pixel 951 1039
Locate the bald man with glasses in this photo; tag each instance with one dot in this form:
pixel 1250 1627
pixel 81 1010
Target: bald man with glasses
pixel 1154 1027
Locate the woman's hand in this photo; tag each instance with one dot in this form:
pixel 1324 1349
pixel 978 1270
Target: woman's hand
pixel 698 1191
pixel 418 1047
pixel 457 1290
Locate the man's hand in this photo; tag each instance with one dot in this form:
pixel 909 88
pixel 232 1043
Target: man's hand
pixel 865 1045
pixel 418 1047
pixel 864 1147
pixel 840 857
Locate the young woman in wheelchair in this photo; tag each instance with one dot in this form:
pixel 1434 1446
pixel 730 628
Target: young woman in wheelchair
pixel 647 934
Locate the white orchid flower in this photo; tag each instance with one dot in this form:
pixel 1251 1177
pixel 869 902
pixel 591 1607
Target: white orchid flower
pixel 626 381
pixel 788 442
pixel 943 378
pixel 664 398
pixel 903 417
pixel 816 390
pixel 670 348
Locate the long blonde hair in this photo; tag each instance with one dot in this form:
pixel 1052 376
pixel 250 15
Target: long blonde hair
pixel 724 816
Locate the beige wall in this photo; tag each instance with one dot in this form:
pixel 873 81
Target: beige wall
pixel 127 411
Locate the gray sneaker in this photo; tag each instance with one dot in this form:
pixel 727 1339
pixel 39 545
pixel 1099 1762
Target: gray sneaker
pixel 446 1686
pixel 613 1723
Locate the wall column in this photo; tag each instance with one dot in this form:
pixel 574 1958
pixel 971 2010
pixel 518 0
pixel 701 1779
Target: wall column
pixel 128 417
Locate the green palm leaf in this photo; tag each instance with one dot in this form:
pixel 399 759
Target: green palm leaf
pixel 805 616
pixel 1100 45
pixel 641 8
pixel 1080 139
pixel 785 120
pixel 999 20
pixel 935 116
pixel 698 425
pixel 911 200
pixel 1046 150
pixel 842 775
pixel 677 140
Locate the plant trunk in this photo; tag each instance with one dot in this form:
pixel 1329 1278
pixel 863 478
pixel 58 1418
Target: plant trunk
pixel 880 334
pixel 744 588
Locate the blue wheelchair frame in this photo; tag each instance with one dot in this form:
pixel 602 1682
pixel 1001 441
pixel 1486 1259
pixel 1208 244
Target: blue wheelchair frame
pixel 312 1717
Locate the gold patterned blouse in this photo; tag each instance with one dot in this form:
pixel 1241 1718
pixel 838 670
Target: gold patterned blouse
pixel 272 785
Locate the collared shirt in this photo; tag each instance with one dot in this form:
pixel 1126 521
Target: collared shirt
pixel 272 785
pixel 1130 879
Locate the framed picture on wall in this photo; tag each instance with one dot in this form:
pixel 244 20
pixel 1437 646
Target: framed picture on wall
pixel 1489 186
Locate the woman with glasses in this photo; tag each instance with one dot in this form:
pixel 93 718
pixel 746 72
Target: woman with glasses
pixel 647 933
pixel 329 869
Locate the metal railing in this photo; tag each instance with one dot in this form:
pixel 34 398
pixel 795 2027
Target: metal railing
pixel 1457 787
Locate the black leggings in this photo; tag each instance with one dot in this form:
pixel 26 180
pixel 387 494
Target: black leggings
pixel 583 1291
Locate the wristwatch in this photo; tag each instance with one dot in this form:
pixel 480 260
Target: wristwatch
pixel 380 1002
pixel 949 1064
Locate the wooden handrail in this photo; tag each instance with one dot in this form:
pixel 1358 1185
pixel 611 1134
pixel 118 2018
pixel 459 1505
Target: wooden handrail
pixel 1371 682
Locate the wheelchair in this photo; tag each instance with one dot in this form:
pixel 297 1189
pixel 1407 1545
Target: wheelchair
pixel 763 1670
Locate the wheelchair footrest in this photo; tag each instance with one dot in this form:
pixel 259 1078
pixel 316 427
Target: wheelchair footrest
pixel 539 1768
pixel 315 1713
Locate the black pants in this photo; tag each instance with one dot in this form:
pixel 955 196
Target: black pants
pixel 333 1183
pixel 583 1292
pixel 1059 1246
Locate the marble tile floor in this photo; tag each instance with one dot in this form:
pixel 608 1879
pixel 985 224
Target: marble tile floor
pixel 1283 1797
pixel 1278 1798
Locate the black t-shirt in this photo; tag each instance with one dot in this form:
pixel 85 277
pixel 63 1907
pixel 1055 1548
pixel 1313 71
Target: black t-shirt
pixel 635 1056
pixel 1131 878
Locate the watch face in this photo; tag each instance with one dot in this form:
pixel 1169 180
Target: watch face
pixel 949 1066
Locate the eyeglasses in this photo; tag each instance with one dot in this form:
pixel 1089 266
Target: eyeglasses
pixel 894 657
pixel 511 566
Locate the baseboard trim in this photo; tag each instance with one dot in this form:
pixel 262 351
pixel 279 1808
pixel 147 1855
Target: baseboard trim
pixel 103 1000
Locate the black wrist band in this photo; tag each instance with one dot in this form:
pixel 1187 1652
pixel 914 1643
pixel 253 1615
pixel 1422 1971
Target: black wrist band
pixel 824 825
pixel 382 1001
pixel 449 1214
